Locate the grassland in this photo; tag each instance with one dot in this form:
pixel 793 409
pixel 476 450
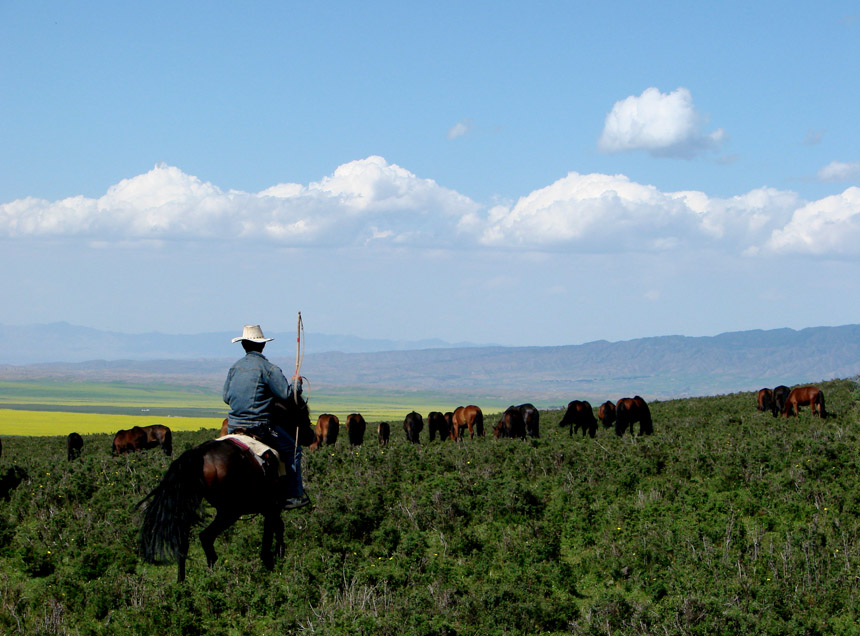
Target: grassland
pixel 725 521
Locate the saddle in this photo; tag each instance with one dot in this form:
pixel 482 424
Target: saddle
pixel 258 449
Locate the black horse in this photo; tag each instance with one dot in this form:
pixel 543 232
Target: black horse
pixel 74 444
pixel 531 418
pixel 229 477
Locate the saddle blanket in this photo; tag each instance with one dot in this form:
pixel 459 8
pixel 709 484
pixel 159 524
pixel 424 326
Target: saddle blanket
pixel 256 447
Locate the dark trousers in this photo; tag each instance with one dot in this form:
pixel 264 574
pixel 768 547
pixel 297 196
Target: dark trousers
pixel 291 456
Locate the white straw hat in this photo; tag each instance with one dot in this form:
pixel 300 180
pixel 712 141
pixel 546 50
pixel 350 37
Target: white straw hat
pixel 252 333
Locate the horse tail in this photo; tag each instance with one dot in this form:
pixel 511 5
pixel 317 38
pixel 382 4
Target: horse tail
pixel 822 412
pixel 174 506
pixel 479 423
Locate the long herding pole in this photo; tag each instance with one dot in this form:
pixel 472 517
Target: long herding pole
pixel 300 354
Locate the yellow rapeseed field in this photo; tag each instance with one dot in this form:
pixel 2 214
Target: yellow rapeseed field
pixel 40 423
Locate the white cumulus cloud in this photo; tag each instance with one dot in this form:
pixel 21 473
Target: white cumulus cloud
pixel 371 201
pixel 607 213
pixel 840 171
pixel 662 124
pixel 364 199
pixel 827 227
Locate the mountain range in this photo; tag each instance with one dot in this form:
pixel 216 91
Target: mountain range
pixel 657 367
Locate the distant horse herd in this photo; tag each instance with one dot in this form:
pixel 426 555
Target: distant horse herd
pixel 202 472
pixel 787 402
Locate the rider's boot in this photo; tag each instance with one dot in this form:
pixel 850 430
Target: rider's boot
pixel 285 490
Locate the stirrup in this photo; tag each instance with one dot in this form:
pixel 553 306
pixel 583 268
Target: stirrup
pixel 297 502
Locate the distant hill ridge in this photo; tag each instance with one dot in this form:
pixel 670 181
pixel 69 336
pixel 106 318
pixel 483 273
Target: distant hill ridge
pixel 657 367
pixel 63 342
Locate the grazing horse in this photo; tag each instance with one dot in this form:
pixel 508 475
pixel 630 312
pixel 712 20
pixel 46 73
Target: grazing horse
pixel 10 480
pixel 631 410
pixel 74 444
pixel 780 395
pixel 143 437
pixel 227 475
pixel 511 424
pixel 803 396
pixel 383 432
pixel 1 448
pixel 606 414
pixel 327 429
pixel 471 417
pixel 579 415
pixel 764 400
pixel 437 423
pixel 413 424
pixel 355 428
pixel 531 418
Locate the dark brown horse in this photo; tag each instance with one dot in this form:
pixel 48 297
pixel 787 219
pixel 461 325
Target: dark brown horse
pixel 780 395
pixel 413 424
pixel 805 396
pixel 327 429
pixel 606 414
pixel 511 424
pixel 470 417
pixel 355 428
pixel 629 411
pixel 228 476
pixel 438 423
pixel 383 432
pixel 74 444
pixel 531 419
pixel 143 437
pixel 579 415
pixel 764 400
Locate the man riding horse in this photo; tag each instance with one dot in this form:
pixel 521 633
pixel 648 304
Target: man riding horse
pixel 253 389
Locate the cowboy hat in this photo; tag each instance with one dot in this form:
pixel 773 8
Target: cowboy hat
pixel 252 333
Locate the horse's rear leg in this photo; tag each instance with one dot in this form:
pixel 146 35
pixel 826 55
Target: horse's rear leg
pixel 222 521
pixel 273 525
pixel 183 554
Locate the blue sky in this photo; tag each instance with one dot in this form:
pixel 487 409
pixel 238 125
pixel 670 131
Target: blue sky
pixel 520 173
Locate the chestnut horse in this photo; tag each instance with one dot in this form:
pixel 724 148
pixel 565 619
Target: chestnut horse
pixel 471 417
pixel 143 437
pixel 228 476
pixel 803 396
pixel 327 429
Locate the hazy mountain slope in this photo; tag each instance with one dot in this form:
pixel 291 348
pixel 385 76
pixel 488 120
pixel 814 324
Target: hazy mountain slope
pixel 62 342
pixel 653 367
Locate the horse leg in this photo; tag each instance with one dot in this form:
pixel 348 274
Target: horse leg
pixel 222 521
pixel 183 554
pixel 273 525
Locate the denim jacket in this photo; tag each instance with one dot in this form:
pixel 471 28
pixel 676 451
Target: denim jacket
pixel 252 384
